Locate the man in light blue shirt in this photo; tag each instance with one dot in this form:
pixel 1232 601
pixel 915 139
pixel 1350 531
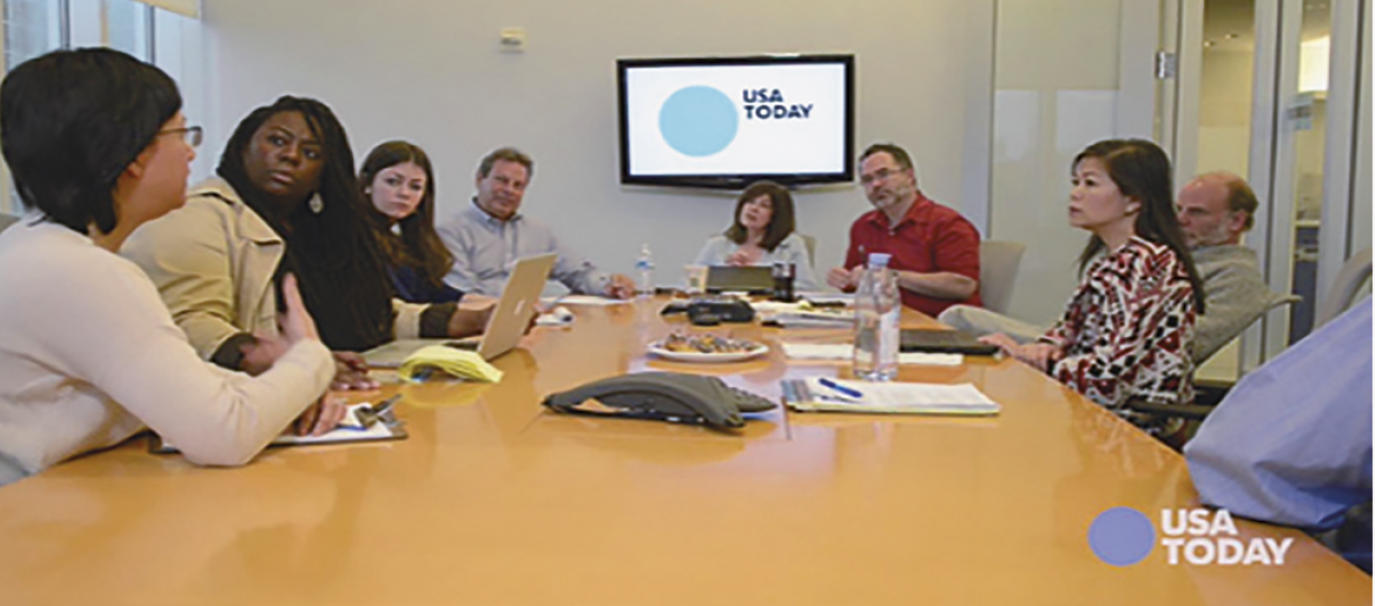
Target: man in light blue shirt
pixel 1291 443
pixel 489 235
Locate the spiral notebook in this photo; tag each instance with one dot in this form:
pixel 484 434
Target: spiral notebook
pixel 815 394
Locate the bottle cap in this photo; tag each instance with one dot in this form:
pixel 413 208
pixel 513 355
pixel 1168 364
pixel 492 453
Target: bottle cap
pixel 879 259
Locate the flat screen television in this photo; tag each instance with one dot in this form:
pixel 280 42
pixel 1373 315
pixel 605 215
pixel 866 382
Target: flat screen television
pixel 723 122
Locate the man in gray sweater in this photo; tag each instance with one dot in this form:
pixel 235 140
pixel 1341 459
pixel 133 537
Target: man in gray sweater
pixel 1214 210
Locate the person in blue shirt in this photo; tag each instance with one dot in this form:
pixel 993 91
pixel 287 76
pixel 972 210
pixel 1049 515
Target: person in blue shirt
pixel 1291 444
pixel 487 236
pixel 398 180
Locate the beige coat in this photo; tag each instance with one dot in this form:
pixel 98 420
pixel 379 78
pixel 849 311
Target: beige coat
pixel 213 260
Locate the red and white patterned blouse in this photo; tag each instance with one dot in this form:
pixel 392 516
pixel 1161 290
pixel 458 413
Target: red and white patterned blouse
pixel 1128 327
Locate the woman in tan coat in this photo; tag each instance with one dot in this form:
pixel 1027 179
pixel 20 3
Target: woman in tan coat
pixel 285 199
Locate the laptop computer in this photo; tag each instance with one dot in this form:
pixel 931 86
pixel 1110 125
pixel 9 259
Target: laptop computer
pixel 943 341
pixel 731 278
pixel 504 328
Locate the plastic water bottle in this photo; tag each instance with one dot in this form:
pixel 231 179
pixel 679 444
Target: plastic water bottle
pixel 645 265
pixel 877 308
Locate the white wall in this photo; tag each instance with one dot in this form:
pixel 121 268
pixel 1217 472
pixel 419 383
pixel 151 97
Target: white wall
pixel 430 72
pixel 1056 85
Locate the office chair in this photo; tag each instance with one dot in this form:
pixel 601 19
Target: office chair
pixel 998 265
pixel 1346 289
pixel 810 241
pixel 7 220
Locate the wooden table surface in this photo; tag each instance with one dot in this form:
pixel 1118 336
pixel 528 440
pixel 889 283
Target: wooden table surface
pixel 494 500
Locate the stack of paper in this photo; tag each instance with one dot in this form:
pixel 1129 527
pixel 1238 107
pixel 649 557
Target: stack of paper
pixel 845 351
pixel 457 362
pixel 836 395
pixel 828 298
pixel 772 307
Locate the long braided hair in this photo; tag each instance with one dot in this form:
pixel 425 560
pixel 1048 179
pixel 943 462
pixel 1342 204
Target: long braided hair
pixel 333 253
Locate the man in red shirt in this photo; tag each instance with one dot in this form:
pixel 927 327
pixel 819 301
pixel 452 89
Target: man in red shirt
pixel 934 250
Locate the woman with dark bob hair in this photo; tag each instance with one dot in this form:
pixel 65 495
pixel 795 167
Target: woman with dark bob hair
pixel 398 183
pixel 763 233
pixel 286 200
pixel 89 354
pixel 1129 325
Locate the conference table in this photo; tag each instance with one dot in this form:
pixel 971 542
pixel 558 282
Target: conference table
pixel 495 500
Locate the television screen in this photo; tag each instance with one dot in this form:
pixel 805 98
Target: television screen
pixel 724 122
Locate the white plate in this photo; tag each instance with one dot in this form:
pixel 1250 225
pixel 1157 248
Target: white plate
pixel 693 356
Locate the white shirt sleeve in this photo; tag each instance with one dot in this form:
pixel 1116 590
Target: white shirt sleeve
pixel 120 338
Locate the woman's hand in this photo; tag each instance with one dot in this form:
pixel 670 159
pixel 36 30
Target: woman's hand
pixel 1039 355
pixel 259 355
pixel 295 322
pixel 351 373
pixel 1004 342
pixel 740 258
pixel 469 322
pixel 476 301
pixel 321 417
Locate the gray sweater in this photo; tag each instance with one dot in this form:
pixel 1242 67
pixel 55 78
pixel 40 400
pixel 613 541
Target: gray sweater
pixel 1235 294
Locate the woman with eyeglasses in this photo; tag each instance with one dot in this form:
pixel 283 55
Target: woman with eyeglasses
pixel 398 183
pixel 89 355
pixel 1127 330
pixel 285 200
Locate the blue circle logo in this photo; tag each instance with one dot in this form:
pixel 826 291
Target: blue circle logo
pixel 698 121
pixel 1121 536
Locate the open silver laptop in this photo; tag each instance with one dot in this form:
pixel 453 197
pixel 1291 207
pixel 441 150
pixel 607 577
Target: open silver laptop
pixel 504 329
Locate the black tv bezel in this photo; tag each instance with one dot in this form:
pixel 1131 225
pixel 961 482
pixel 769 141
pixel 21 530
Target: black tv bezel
pixel 738 181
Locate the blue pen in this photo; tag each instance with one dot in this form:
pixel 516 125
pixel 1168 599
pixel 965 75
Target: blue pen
pixel 848 391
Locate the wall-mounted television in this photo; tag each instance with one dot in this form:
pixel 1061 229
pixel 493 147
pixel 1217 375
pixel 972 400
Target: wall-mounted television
pixel 723 122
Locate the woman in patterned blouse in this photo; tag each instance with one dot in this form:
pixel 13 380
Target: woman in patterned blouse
pixel 1127 329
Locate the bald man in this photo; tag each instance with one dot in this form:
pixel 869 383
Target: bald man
pixel 1214 210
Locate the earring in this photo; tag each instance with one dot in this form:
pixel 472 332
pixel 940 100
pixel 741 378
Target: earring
pixel 316 204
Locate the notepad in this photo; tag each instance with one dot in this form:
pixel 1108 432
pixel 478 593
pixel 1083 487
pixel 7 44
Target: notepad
pixel 349 430
pixel 811 395
pixel 807 318
pixel 456 362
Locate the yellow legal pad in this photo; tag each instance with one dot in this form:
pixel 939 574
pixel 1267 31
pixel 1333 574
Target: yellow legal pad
pixel 457 362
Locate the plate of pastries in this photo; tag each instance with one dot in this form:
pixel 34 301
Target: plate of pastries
pixel 683 347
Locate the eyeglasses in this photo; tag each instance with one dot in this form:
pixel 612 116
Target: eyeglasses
pixel 190 134
pixel 881 174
